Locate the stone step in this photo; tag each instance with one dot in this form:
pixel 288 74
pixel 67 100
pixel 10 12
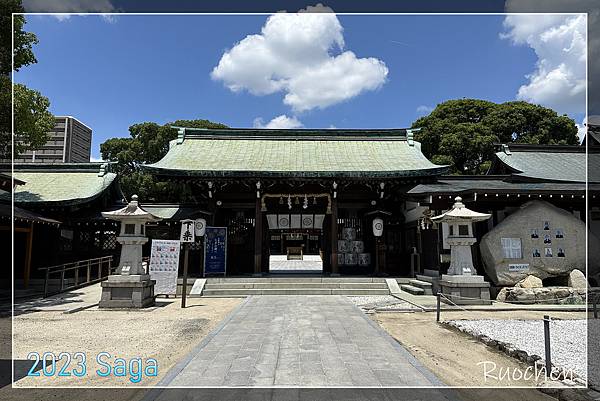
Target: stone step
pixel 428 279
pixel 216 286
pixel 224 293
pixel 295 280
pixel 412 289
pixel 424 285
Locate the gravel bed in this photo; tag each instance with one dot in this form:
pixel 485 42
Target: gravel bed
pixel 567 339
pixel 381 302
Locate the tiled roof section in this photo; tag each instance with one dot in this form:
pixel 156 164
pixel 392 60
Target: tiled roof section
pixel 550 162
pixel 64 183
pixel 295 153
pixel 496 184
pixel 8 212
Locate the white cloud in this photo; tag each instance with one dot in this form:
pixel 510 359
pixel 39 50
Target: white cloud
pixel 279 122
pixel 67 8
pixel 422 110
pixel 302 55
pixel 559 42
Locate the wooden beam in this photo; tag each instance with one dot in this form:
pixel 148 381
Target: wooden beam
pixel 29 247
pixel 334 237
pixel 17 229
pixel 258 227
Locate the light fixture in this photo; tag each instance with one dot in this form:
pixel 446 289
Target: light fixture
pixel 281 200
pixel 314 200
pixel 297 202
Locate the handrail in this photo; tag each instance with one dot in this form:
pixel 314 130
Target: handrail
pixel 76 262
pixel 103 265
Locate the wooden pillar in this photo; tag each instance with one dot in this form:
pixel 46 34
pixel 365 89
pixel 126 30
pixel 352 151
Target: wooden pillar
pixel 28 251
pixel 258 236
pixel 334 237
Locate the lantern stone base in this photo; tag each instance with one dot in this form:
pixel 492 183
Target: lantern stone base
pixel 127 292
pixel 465 289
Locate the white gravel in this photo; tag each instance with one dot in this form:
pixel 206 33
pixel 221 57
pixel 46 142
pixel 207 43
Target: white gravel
pixel 567 339
pixel 381 302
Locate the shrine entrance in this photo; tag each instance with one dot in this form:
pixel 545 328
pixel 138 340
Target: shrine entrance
pixel 296 252
pixel 294 237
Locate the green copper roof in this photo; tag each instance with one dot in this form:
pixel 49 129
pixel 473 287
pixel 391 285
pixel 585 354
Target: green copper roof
pixel 70 183
pixel 295 153
pixel 550 162
pixel 497 184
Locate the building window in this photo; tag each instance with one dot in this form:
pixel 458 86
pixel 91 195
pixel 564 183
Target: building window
pixel 511 248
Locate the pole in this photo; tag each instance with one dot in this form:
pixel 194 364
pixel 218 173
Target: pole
pixel 377 250
pixel 439 299
pixel 595 302
pixel 547 344
pixel 186 247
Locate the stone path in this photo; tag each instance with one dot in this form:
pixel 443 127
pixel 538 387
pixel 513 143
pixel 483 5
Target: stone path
pixel 299 341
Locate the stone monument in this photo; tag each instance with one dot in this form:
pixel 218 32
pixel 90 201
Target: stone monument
pixel 131 287
pixel 462 285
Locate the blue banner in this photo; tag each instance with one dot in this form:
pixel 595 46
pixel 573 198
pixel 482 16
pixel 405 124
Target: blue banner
pixel 215 250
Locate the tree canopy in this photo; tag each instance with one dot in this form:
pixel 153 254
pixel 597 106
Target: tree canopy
pixel 148 143
pixel 462 133
pixel 32 118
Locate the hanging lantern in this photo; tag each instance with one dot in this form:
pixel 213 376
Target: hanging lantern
pixel 314 200
pixel 281 200
pixel 297 202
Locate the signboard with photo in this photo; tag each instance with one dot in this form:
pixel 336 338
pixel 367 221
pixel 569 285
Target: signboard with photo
pixel 164 265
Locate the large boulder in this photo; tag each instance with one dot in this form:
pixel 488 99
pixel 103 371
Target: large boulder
pixel 552 245
pixel 530 282
pixel 577 279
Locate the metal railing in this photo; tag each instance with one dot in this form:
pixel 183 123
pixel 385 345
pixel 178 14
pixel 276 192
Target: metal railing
pixel 96 269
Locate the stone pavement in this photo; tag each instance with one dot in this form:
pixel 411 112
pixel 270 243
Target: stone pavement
pixel 299 341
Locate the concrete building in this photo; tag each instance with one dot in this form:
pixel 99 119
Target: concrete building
pixel 70 141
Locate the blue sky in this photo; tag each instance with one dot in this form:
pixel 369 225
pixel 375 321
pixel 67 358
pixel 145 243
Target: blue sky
pixel 111 74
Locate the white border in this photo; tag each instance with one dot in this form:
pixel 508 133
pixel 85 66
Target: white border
pixel 25 14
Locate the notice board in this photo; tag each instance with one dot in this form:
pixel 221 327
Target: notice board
pixel 215 250
pixel 164 264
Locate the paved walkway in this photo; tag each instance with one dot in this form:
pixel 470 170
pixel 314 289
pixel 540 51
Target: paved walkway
pixel 299 341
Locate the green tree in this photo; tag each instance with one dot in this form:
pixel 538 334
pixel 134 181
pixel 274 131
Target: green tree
pixel 32 118
pixel 462 133
pixel 148 143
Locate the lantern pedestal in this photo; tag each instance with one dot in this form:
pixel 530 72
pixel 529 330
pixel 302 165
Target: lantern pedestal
pixel 465 289
pixel 135 291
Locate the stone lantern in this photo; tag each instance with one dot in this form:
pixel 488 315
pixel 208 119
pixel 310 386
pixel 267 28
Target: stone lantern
pixel 131 287
pixel 462 285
